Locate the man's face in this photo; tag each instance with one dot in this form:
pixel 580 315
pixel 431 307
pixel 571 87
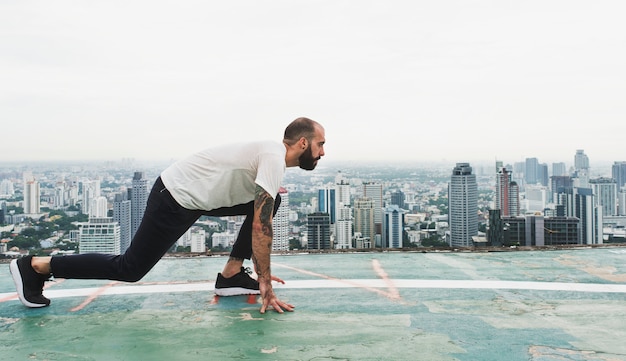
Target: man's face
pixel 307 160
pixel 314 151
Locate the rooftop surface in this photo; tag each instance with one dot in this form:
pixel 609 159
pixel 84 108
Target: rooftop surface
pixel 531 305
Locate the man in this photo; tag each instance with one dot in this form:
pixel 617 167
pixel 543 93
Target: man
pixel 240 179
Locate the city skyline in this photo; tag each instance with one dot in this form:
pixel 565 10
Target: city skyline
pixel 447 81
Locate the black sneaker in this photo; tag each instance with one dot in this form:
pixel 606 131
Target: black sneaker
pixel 239 284
pixel 29 283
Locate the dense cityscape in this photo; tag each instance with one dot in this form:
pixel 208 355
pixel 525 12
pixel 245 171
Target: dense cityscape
pixel 81 207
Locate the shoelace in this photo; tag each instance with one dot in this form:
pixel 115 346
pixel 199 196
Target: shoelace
pixel 246 270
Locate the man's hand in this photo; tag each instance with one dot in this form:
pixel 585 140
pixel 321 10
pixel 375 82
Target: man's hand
pixel 269 298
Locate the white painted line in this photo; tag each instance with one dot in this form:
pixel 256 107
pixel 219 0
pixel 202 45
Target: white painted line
pixel 128 289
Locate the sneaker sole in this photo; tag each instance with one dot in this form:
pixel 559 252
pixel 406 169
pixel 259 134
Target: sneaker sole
pixel 19 285
pixel 235 291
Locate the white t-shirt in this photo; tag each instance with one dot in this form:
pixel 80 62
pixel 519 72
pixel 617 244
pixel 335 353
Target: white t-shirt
pixel 226 176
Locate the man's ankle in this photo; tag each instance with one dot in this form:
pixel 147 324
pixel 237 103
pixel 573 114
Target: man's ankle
pixel 41 265
pixel 232 267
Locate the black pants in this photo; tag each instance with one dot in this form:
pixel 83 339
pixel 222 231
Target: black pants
pixel 163 223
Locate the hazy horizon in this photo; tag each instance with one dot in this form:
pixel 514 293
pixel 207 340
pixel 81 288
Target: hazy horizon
pixel 423 81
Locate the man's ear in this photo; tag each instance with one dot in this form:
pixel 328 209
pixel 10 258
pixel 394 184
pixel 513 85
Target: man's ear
pixel 303 142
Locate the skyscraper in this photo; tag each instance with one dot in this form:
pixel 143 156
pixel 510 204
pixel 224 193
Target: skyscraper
pixel 99 235
pixel 618 172
pixel 374 191
pixel 138 200
pixel 559 169
pixel 398 198
pixel 99 207
pixel 121 215
pixel 393 225
pixel 581 165
pixel 364 219
pixel 581 160
pixel 605 194
pixel 507 194
pixel 579 203
pixel 327 203
pixel 531 171
pixel 463 206
pixel 31 196
pixel 343 228
pixel 90 189
pixel 318 231
pixel 343 193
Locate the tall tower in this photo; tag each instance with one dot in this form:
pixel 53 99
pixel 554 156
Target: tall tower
pixel 342 188
pixel 393 227
pixel 31 196
pixel 138 201
pixel 343 228
pixel 581 164
pixel 280 223
pixel 364 218
pixel 327 203
pixel 90 190
pixel 559 169
pixel 579 203
pixel 318 230
pixel 398 198
pixel 618 172
pixel 531 171
pixel 507 194
pixel 121 215
pixel 99 207
pixel 374 191
pixel 463 206
pixel 605 194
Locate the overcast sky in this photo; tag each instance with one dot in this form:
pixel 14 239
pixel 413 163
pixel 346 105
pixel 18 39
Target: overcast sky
pixel 390 80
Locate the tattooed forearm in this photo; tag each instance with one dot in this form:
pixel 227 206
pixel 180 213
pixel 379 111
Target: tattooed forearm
pixel 265 203
pixel 262 232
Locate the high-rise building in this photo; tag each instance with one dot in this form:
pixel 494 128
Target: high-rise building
pixel 138 201
pixel 90 189
pixel 6 188
pixel 318 231
pixel 581 166
pixel 397 198
pixel 342 188
pixel 327 203
pixel 99 207
pixel 542 174
pixel 605 194
pixel 559 169
pixel 3 212
pixel 280 223
pixel 364 219
pixel 559 184
pixel 618 172
pixel 531 171
pixel 463 206
pixel 393 226
pixel 507 194
pixel 32 196
pixel 579 203
pixel 343 228
pixel 121 215
pixel 374 191
pixel 99 235
pixel 581 160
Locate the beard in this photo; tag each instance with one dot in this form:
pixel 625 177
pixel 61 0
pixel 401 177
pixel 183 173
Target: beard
pixel 306 161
